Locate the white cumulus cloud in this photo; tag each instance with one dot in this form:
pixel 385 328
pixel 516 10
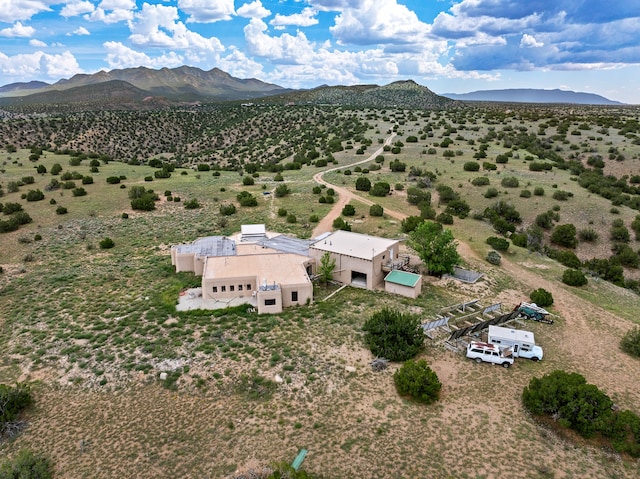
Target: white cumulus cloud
pixel 253 10
pixel 39 64
pixel 37 43
pixel 529 41
pixel 306 18
pixel 121 56
pixel 80 31
pixel 18 30
pixel 207 11
pixel 74 9
pixel 13 10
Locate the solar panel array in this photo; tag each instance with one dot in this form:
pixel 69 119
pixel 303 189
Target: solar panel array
pixel 482 325
pixel 436 324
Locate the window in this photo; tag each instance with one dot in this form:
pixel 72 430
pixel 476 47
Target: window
pixel 294 296
pixel 232 288
pixel 215 289
pixel 223 289
pixel 270 302
pixel 239 287
pixel 248 287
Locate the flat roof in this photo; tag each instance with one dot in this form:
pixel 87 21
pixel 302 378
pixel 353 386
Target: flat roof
pixel 209 246
pixel 253 229
pixel 354 244
pixel 403 278
pixel 278 268
pixel 287 244
pixel 513 334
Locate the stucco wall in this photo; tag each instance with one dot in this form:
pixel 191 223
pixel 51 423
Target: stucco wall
pixel 407 291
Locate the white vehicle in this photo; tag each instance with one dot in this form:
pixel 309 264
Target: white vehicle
pixel 522 343
pixel 489 353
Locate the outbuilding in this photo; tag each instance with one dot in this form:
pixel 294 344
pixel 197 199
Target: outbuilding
pixel 403 283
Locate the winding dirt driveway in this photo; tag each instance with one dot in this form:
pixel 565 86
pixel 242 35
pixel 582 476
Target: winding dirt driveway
pixel 345 196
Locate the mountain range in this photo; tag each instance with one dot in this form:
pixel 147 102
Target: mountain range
pixel 532 95
pixel 137 86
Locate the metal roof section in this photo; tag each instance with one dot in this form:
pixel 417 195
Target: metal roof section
pixel 209 246
pixel 402 278
pixel 354 244
pixel 287 244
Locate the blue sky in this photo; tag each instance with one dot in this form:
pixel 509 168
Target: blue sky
pixel 449 46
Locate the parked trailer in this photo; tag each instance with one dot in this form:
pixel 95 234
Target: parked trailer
pixel 533 311
pixel 522 343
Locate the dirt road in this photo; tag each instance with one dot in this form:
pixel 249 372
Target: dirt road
pixel 345 196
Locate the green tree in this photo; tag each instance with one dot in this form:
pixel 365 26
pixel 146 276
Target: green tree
pixel 630 342
pixel 381 188
pixel 435 246
pixel 26 465
pixel 363 183
pixel 417 380
pixel 13 400
pixel 376 210
pixel 393 335
pixel 565 235
pixel 348 210
pixel 541 297
pixel 326 268
pixel 574 277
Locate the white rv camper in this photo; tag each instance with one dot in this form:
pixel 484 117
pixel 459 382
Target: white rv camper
pixel 522 343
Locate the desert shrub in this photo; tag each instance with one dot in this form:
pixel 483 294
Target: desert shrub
pixel 630 342
pixel 494 257
pixel 410 223
pixel 574 277
pixel 626 256
pixel 471 166
pixel 519 239
pixel 291 218
pixel 227 210
pixel 87 180
pixel 282 190
pixel 607 269
pixel 489 166
pixel 380 189
pixel 192 204
pixel 13 400
pixel 248 180
pixel 565 258
pixel 61 210
pixel 416 195
pixel 480 181
pixel 106 243
pixel 447 194
pixel 35 195
pixel 26 465
pixel 363 184
pixel 56 169
pixel 579 406
pixel 491 193
pixel 28 180
pixel 112 180
pixel 525 194
pixel 445 218
pixel 314 219
pixel 246 199
pixel 282 212
pixel 203 167
pixel 376 210
pixel 393 335
pixel 348 210
pixel 619 233
pixel 564 235
pixel 340 224
pixel 499 244
pixel 510 182
pixel 538 191
pixel 418 381
pixel 396 165
pixel 561 195
pixel 79 191
pixel 589 235
pixel 541 297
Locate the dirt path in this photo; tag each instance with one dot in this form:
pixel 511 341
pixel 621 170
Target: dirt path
pixel 345 196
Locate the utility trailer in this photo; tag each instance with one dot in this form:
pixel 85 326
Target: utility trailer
pixel 534 312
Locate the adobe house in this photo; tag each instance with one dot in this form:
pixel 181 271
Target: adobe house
pixel 271 271
pixel 361 259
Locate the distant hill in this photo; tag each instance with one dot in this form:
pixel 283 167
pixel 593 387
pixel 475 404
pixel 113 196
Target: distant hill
pixel 176 84
pixel 17 88
pixel 532 95
pixel 402 94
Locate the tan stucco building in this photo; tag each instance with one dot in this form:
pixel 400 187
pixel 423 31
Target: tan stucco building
pixel 359 258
